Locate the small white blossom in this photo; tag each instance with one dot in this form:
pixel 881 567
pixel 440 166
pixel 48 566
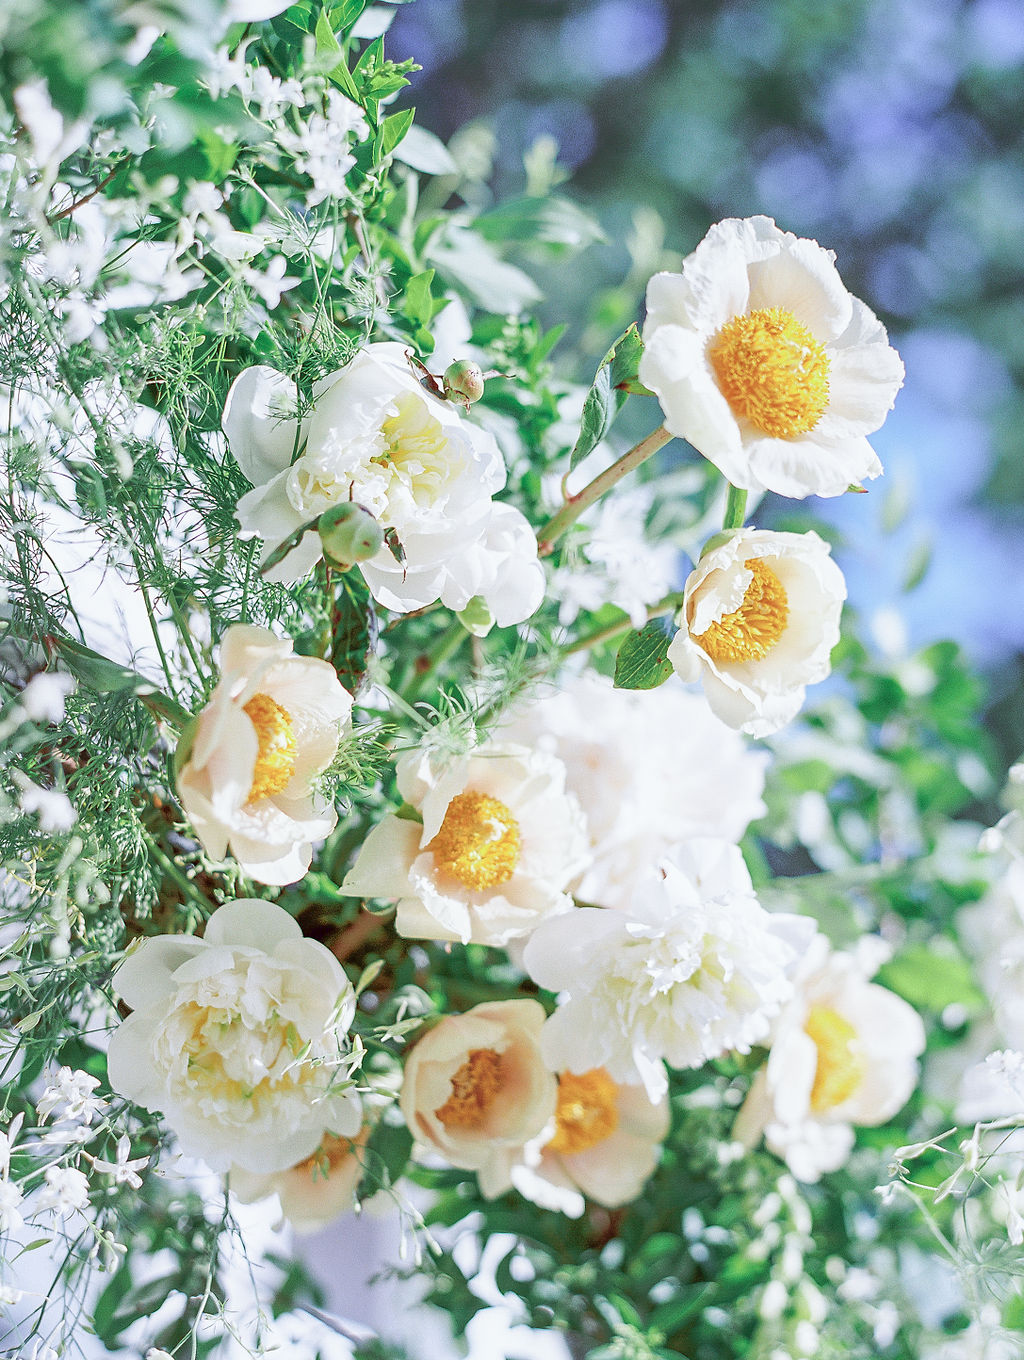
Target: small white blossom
pixel 321 146
pixel 43 697
pixel 54 808
pixel 73 1090
pixel 11 1198
pixel 65 1190
pixel 124 1168
pixel 8 1143
pixel 271 282
pixel 9 1295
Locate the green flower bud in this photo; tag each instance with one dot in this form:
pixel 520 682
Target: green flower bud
pixel 476 618
pixel 349 533
pixel 463 380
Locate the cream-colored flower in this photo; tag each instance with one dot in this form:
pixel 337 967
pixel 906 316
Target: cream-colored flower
pixel 650 770
pixel 248 772
pixel 759 620
pixel 476 1090
pixel 377 437
pixel 315 1191
pixel 238 1038
pixel 605 1146
pixel 764 362
pixel 499 842
pixel 694 967
pixel 843 1052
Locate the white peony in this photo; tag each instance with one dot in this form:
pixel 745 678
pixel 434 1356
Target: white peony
pixel 765 363
pixel 247 773
pixel 316 1190
pixel 649 770
pixel 238 1038
pixel 476 1090
pixel 499 842
pixel 693 968
pixel 606 1143
pixel 843 1051
pixel 377 437
pixel 759 620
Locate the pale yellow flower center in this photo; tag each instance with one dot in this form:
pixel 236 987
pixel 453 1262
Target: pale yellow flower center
pixel 478 842
pixel 417 448
pixel 219 1049
pixel 334 1151
pixel 841 1065
pixel 771 371
pixel 750 632
pixel 587 1111
pixel 275 761
pixel 474 1087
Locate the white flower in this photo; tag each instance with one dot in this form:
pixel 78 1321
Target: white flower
pixel 74 1091
pixel 8 1143
pixel 649 770
pixel 376 437
pixel 9 1296
pixel 320 147
pixel 315 1191
pixel 272 282
pixel 499 842
pixel 11 1197
pixel 124 1169
pixel 43 697
pixel 843 1052
pixel 270 729
pixel 64 1190
pixel 693 968
pixel 766 364
pixel 55 809
pixel 606 1144
pixel 476 1089
pixel 237 1038
pixel 759 620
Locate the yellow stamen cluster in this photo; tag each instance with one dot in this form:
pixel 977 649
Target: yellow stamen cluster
pixel 333 1152
pixel 750 632
pixel 840 1063
pixel 416 444
pixel 587 1111
pixel 474 1087
pixel 275 761
pixel 772 371
pixel 478 842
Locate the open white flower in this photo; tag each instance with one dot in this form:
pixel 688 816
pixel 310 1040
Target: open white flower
pixel 606 1144
pixel 315 1191
pixel 238 1038
pixel 247 777
pixel 476 1090
pixel 693 968
pixel 377 437
pixel 650 770
pixel 759 620
pixel 764 362
pixel 843 1052
pixel 499 842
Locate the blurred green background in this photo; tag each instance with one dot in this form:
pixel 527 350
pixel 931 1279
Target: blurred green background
pixel 890 131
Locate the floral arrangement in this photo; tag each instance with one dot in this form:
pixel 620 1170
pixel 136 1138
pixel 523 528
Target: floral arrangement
pixel 389 818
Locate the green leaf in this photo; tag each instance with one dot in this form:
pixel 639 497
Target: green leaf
pixel 642 662
pixel 608 394
pixel 108 677
pixel 417 301
pixel 393 129
pixel 344 13
pixel 924 977
pixel 327 45
pixel 326 42
pixel 550 221
pixel 353 630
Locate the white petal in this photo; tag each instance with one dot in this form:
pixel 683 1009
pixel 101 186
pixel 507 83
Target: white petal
pixel 146 974
pixel 254 922
pixel 260 435
pixel 384 860
pixel 803 280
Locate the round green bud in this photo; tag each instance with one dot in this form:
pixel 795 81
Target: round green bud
pixel 349 533
pixel 464 379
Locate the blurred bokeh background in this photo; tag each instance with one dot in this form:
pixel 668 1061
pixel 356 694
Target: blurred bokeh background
pixel 890 131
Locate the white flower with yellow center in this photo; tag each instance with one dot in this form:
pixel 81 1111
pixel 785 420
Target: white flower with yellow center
pixel 476 1090
pixel 650 770
pixel 759 620
pixel 316 1190
pixel 764 362
pixel 376 437
pixel 606 1144
pixel 498 844
pixel 843 1052
pixel 693 968
pixel 238 1038
pixel 247 771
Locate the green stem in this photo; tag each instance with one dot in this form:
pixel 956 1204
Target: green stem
pixel 668 604
pixel 575 505
pixel 735 508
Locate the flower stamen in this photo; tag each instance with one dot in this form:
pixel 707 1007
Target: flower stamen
pixel 275 760
pixel 474 1087
pixel 478 842
pixel 772 371
pixel 841 1066
pixel 587 1111
pixel 750 632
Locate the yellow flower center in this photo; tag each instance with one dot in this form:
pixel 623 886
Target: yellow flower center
pixel 334 1151
pixel 587 1111
pixel 771 371
pixel 478 842
pixel 750 632
pixel 417 449
pixel 474 1087
pixel 275 760
pixel 840 1063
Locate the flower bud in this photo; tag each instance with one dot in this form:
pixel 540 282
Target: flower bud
pixel 349 533
pixel 463 379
